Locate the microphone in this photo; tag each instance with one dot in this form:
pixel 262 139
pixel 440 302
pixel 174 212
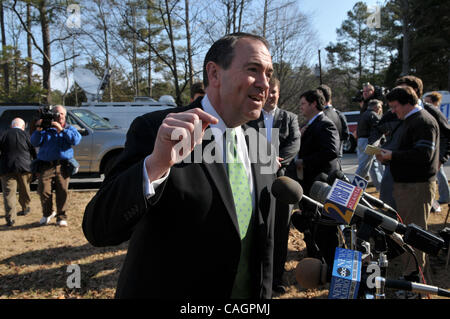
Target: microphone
pixel 413 286
pixel 372 200
pixel 319 191
pixel 311 273
pixel 329 179
pixel 344 277
pixel 288 191
pixel 413 234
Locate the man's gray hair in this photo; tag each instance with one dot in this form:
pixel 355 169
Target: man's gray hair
pixel 18 123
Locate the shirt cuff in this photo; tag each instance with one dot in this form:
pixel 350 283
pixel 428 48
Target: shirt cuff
pixel 151 187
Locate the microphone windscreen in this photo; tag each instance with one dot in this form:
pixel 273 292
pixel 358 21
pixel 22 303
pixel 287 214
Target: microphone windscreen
pixel 337 174
pixel 319 191
pixel 286 190
pixel 322 177
pixel 310 273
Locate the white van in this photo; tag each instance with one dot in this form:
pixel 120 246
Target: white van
pixel 121 114
pixel 445 103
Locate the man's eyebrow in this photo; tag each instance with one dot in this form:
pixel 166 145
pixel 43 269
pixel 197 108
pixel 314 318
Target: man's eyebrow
pixel 258 64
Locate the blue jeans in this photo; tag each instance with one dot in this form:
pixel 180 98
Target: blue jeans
pixel 386 188
pixel 444 189
pixel 367 164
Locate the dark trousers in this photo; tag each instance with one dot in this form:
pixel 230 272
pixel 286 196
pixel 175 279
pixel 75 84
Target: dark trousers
pixel 58 174
pixel 12 182
pixel 281 236
pixel 326 238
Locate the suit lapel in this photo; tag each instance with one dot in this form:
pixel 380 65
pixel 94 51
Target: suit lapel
pixel 277 117
pixel 219 177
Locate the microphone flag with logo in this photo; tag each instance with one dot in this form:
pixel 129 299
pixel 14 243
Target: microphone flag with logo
pixel 342 200
pixel 346 274
pixel 360 182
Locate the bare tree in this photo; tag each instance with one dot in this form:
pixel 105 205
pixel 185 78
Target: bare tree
pixel 29 47
pixel 45 8
pixel 292 46
pixel 406 36
pixel 188 43
pixel 4 51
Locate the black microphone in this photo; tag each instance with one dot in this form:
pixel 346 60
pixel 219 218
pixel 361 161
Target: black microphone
pixel 311 273
pixel 413 235
pixel 372 200
pixel 414 286
pixel 319 191
pixel 329 179
pixel 288 191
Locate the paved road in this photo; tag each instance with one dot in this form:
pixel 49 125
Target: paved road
pixel 350 163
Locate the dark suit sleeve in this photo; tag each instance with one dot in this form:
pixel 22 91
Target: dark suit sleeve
pixel 444 132
pixel 374 119
pixel 291 145
pixel 119 204
pixel 328 146
pixel 345 131
pixel 31 148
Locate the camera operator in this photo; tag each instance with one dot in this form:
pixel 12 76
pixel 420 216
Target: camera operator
pixel 55 150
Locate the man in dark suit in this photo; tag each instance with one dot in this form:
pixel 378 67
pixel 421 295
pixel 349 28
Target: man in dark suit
pixel 281 129
pixel 191 234
pixel 15 161
pixel 319 151
pixel 337 118
pixel 319 146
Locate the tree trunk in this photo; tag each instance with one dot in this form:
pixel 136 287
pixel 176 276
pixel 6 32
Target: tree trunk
pixel 134 48
pixel 189 49
pixel 405 31
pixel 360 49
pixel 265 18
pixel 149 80
pixel 241 11
pixel 174 55
pixel 5 65
pixel 29 47
pixel 46 65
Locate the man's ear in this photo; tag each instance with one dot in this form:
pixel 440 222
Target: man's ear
pixel 315 105
pixel 213 71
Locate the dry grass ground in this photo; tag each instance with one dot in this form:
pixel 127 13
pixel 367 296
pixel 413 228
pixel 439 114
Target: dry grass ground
pixel 34 259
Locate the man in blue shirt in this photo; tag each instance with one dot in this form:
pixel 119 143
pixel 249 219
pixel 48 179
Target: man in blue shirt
pixel 55 149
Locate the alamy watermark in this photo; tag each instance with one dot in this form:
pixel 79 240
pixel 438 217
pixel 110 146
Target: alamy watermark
pixel 73 21
pixel 374 19
pixel 74 279
pixel 259 149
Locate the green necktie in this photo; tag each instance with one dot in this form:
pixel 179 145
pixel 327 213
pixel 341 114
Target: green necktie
pixel 240 188
pixel 239 185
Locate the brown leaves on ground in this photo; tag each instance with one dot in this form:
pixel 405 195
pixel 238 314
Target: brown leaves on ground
pixel 34 259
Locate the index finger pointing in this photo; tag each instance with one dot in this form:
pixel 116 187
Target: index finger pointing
pixel 204 117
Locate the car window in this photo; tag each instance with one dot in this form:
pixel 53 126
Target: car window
pixel 27 115
pixel 352 117
pixel 92 120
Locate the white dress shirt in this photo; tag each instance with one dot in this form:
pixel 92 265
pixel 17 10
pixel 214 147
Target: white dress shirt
pixel 268 122
pixel 218 131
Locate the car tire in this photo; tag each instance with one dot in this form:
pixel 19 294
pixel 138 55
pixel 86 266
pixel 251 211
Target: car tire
pixel 349 146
